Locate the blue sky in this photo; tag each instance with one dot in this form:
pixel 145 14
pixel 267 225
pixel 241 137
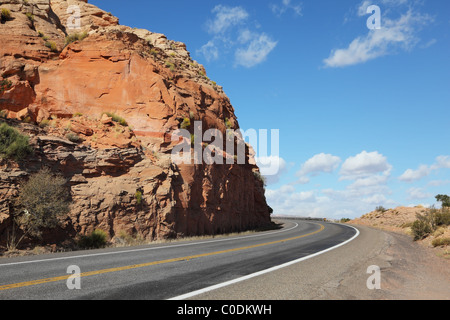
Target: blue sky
pixel 363 114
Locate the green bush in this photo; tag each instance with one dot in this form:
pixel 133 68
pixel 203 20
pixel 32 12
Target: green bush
pixel 5 15
pixel 75 37
pixel 138 196
pixel 51 45
pixel 443 217
pixel 97 239
pixel 117 118
pixel 185 124
pixel 13 145
pixel 73 137
pixel 429 222
pixel 30 16
pixel 5 85
pixel 440 242
pixel 421 229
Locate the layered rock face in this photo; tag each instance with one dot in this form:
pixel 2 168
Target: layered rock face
pixel 150 82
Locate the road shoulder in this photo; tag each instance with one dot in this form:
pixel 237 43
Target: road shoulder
pixel 408 271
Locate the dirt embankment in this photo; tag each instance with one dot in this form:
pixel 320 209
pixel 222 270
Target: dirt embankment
pixel 400 220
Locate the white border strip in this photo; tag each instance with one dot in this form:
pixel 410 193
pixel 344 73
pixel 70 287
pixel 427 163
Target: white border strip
pixel 149 249
pixel 256 274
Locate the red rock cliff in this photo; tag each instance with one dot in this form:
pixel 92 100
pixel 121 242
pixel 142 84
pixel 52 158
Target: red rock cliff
pixel 149 81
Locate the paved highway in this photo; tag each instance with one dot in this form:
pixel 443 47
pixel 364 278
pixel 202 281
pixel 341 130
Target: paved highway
pixel 177 270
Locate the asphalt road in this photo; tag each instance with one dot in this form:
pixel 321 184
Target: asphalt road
pixel 166 271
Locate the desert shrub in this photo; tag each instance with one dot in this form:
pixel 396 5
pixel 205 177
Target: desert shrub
pixel 185 124
pixel 138 196
pixel 51 45
pixel 13 145
pixel 97 239
pixel 73 137
pixel 420 229
pixel 170 65
pixel 42 201
pixel 44 123
pixel 5 15
pixel 228 124
pixel 380 209
pixel 30 16
pixel 5 85
pixel 75 37
pixel 442 217
pixel 440 242
pixel 117 118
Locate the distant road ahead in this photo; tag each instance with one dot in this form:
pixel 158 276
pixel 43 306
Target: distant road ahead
pixel 165 271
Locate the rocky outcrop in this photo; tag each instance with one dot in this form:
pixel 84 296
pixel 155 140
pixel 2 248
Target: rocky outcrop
pixel 151 84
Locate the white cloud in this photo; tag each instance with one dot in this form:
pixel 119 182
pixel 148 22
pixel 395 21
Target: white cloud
pixel 418 193
pixel 225 18
pixel 209 51
pixel 280 9
pixel 364 165
pixel 232 32
pixel 320 163
pixel 393 35
pixel 410 175
pixel 257 50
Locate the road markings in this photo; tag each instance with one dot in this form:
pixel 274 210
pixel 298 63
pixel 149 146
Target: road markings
pixel 259 273
pixel 143 265
pixel 90 255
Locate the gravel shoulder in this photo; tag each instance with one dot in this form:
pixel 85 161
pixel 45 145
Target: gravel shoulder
pixel 408 272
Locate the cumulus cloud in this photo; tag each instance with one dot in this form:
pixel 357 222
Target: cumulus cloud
pixel 394 35
pixel 411 175
pixel 320 163
pixel 364 165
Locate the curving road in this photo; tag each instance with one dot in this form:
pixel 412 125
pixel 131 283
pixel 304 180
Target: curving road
pixel 179 270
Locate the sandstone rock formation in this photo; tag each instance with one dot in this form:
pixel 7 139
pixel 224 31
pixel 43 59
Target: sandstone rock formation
pixel 151 83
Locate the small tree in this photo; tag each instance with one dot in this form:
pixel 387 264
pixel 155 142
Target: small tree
pixel 444 199
pixel 42 200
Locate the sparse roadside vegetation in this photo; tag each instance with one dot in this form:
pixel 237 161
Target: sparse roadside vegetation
pixel 13 145
pixel 95 240
pixel 428 223
pixel 42 201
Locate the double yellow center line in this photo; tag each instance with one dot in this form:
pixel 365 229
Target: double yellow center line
pixel 154 263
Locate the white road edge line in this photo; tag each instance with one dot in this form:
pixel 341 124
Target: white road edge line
pixel 147 249
pixel 256 274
